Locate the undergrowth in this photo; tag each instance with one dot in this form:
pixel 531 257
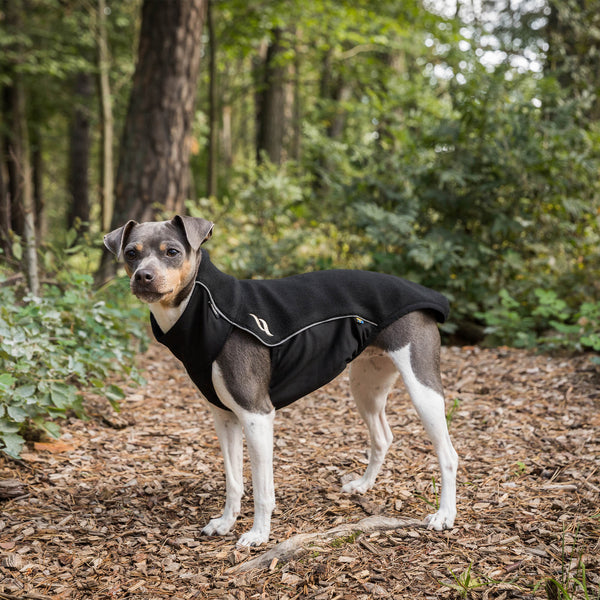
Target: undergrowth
pixel 55 345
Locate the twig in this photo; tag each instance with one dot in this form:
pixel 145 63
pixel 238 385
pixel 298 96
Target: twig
pixel 293 546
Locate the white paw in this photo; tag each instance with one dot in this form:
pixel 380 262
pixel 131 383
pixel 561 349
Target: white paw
pixel 219 526
pixel 253 538
pixel 357 486
pixel 440 520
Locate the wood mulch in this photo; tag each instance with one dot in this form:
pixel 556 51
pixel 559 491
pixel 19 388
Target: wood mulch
pixel 114 508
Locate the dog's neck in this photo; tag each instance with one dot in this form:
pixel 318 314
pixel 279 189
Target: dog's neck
pixel 167 316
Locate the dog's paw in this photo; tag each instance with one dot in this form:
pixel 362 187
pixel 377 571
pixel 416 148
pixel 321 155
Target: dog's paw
pixel 440 520
pixel 253 538
pixel 357 486
pixel 219 526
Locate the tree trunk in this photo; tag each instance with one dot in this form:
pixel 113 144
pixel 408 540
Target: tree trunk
pixel 271 110
pixel 13 151
pixel 107 176
pixel 296 119
pixel 37 164
pixel 152 176
pixel 4 207
pixel 78 215
pixel 226 137
pixel 25 184
pixel 211 178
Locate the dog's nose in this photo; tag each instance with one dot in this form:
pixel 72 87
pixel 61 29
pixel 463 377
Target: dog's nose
pixel 144 276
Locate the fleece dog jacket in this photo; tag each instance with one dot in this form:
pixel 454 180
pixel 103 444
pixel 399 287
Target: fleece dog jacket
pixel 314 323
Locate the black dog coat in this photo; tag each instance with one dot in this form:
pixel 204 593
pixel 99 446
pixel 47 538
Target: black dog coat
pixel 314 324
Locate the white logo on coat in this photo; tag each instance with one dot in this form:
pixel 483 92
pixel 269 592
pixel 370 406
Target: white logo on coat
pixel 262 324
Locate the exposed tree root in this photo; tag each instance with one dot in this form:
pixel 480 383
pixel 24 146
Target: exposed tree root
pixel 297 544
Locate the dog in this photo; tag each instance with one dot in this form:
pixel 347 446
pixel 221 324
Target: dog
pixel 252 346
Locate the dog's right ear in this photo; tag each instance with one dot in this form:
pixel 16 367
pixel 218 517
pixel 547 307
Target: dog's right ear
pixel 116 240
pixel 197 230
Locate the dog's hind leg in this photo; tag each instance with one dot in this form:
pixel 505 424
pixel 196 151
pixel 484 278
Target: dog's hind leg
pixel 417 358
pixel 372 375
pixel 229 431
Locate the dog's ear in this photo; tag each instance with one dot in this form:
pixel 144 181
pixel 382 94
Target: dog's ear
pixel 116 240
pixel 197 230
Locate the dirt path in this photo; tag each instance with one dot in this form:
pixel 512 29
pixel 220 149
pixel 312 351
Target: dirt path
pixel 110 513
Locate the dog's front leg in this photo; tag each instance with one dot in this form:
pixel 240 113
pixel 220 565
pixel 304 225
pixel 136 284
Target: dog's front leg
pixel 258 429
pixel 229 431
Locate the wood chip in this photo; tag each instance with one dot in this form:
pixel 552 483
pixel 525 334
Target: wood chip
pixel 118 512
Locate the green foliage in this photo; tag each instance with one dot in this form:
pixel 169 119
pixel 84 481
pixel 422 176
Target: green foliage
pixel 53 346
pixel 545 321
pixel 266 227
pixel 569 585
pixel 465 583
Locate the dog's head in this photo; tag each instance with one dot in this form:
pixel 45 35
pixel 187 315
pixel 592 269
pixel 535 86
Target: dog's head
pixel 161 258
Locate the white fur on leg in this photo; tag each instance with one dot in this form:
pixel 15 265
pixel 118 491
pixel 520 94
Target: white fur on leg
pixel 259 437
pixel 258 429
pixel 229 431
pixel 371 378
pixel 431 409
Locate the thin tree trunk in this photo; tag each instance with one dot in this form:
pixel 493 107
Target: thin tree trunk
pixel 211 179
pixel 107 176
pixel 26 184
pixel 296 106
pixel 226 137
pixel 13 151
pixel 4 207
pixel 271 121
pixel 79 155
pixel 37 163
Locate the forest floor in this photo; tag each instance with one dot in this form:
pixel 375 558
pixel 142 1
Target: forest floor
pixel 115 507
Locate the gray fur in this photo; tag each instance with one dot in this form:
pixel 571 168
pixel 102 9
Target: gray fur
pixel 246 367
pixel 420 330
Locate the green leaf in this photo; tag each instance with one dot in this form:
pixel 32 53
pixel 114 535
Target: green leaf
pixel 6 382
pixel 17 250
pixel 63 395
pixel 13 444
pixel 52 428
pixel 114 393
pixel 16 413
pixel 7 426
pixel 24 391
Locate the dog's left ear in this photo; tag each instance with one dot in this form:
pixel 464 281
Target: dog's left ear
pixel 197 230
pixel 115 240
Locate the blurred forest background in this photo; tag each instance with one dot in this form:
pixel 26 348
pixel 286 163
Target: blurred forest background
pixel 455 143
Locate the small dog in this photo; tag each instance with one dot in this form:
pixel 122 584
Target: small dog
pixel 253 346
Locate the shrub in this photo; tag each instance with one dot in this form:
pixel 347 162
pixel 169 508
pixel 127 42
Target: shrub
pixel 53 345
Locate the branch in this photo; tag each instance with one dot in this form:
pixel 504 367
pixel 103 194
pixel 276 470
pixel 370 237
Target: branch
pixel 295 545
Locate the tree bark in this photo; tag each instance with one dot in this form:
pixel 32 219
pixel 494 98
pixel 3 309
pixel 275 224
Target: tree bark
pixel 152 176
pixel 107 174
pixel 25 185
pixel 78 215
pixel 213 123
pixel 37 165
pixel 271 110
pixel 4 207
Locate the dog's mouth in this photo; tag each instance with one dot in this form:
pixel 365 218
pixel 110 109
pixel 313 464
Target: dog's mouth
pixel 147 294
pixel 151 297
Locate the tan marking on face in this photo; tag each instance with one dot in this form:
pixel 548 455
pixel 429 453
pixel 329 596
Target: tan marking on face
pixel 163 247
pixel 139 246
pixel 177 279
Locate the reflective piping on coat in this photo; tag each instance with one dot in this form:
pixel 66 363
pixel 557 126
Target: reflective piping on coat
pixel 220 313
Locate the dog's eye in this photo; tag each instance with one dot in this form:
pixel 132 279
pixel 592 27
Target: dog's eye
pixel 130 254
pixel 172 252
